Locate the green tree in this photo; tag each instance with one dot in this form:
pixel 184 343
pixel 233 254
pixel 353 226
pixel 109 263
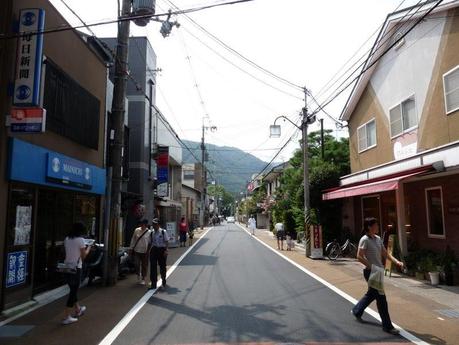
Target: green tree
pixel 227 199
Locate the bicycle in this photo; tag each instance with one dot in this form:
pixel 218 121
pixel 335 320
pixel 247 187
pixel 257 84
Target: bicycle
pixel 334 250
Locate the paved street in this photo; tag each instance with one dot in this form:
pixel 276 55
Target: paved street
pixel 231 289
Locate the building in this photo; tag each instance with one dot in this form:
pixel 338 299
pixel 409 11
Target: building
pixel 192 178
pixel 272 181
pixel 149 136
pixel 191 199
pixel 50 179
pixel 404 133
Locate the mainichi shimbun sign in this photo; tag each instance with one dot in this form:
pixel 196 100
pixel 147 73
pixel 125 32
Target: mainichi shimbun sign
pixel 29 57
pixel 68 171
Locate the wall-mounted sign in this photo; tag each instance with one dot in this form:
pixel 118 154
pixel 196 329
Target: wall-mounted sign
pixel 27 120
pixel 16 272
pixel 162 172
pixel 67 171
pixel 29 57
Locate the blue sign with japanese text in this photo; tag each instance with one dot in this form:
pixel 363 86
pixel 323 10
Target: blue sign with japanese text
pixel 16 272
pixel 68 171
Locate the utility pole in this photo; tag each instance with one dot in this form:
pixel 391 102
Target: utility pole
pixel 117 129
pixel 322 142
pixel 304 127
pixel 203 178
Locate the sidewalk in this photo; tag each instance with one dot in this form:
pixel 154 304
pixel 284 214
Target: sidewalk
pixel 106 307
pixel 430 313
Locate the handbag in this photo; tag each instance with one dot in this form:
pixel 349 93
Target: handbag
pixel 376 279
pixel 67 268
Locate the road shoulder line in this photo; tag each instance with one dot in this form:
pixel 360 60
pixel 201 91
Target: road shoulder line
pixel 121 325
pixel 407 335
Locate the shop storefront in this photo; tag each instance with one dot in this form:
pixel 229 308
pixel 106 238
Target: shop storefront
pixel 47 193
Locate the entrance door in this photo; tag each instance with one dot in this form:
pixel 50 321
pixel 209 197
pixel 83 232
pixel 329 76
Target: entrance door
pixel 371 207
pixel 54 220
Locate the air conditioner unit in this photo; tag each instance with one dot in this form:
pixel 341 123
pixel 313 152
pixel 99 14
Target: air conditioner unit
pixel 145 8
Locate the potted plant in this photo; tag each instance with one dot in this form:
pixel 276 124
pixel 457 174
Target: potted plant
pixel 434 272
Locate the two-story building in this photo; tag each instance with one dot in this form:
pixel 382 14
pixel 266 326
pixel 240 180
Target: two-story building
pixel 403 119
pixel 52 176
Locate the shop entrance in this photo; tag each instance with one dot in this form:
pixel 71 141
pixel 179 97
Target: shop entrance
pixel 56 212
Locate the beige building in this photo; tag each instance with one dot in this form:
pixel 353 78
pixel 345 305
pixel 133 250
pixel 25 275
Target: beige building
pixel 403 117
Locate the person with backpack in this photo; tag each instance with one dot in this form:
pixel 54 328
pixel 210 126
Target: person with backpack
pixel 159 243
pixel 139 250
pixel 183 229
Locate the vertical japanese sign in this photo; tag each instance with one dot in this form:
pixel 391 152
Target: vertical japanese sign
pixel 29 57
pixel 16 273
pixel 162 171
pixel 316 242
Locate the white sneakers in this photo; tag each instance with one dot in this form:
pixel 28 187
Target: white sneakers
pixel 74 318
pixel 69 320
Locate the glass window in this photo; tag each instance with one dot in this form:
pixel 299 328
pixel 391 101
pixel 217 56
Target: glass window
pixel 409 114
pixel 451 88
pixel 367 135
pixel 434 206
pixel 403 117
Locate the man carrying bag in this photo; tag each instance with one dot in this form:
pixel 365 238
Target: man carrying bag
pixel 139 249
pixel 159 242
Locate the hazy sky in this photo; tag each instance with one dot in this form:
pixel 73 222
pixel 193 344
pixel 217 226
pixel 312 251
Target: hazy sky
pixel 304 41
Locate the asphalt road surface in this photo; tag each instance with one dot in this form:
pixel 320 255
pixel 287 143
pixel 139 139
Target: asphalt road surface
pixel 232 289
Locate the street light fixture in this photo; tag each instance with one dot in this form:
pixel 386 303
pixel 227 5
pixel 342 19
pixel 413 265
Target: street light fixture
pixel 275 132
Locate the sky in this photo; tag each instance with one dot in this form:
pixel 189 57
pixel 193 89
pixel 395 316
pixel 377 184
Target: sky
pixel 304 41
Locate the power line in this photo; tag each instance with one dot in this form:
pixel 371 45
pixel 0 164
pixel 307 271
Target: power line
pixel 119 20
pixel 235 52
pixel 367 67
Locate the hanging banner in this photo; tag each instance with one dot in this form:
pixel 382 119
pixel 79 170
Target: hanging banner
pixel 162 172
pixel 29 57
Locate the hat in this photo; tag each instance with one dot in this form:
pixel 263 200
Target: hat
pixel 144 221
pixel 155 221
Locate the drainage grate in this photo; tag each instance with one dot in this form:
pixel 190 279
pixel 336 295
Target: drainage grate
pixel 451 313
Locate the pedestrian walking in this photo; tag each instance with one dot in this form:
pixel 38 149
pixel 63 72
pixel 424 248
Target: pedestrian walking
pixel 159 242
pixel 191 228
pixel 183 230
pixel 139 250
pixel 280 234
pixel 370 253
pixel 75 252
pixel 252 225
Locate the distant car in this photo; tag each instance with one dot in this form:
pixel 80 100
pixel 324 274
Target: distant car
pixel 230 220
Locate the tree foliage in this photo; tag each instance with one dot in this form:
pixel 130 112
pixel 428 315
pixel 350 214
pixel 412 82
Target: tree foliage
pixel 227 199
pixel 324 173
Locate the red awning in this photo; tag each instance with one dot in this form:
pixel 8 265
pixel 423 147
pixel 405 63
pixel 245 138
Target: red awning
pixel 371 187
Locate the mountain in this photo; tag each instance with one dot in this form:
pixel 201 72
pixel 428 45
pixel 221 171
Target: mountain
pixel 229 166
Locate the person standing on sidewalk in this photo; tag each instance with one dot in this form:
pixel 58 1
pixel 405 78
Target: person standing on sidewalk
pixel 159 242
pixel 139 249
pixel 75 252
pixel 371 252
pixel 252 225
pixel 183 229
pixel 280 234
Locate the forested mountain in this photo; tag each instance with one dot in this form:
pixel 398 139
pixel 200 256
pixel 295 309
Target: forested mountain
pixel 230 166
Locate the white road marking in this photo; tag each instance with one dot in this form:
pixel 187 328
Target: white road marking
pixel 440 318
pixel 407 335
pixel 120 326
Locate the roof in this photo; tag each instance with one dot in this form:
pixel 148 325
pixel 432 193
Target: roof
pixel 275 171
pixel 382 44
pixel 191 188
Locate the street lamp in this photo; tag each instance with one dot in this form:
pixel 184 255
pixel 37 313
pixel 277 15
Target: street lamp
pixel 275 132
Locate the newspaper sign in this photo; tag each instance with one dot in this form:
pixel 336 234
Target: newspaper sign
pixel 16 273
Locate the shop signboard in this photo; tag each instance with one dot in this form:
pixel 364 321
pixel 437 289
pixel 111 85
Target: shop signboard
pixel 16 273
pixel 68 171
pixel 171 228
pixel 29 57
pixel 27 120
pixel 316 242
pixel 162 172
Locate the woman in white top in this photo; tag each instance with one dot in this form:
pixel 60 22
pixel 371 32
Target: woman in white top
pixel 75 253
pixel 252 224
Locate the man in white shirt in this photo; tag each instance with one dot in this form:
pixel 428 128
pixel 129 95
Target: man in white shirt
pixel 139 249
pixel 280 234
pixel 159 242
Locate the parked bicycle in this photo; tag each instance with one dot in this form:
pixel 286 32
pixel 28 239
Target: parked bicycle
pixel 334 250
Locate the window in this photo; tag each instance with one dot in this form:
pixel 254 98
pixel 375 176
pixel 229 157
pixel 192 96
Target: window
pixel 403 117
pixel 188 174
pixel 367 135
pixel 71 110
pixel 434 211
pixel 451 89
